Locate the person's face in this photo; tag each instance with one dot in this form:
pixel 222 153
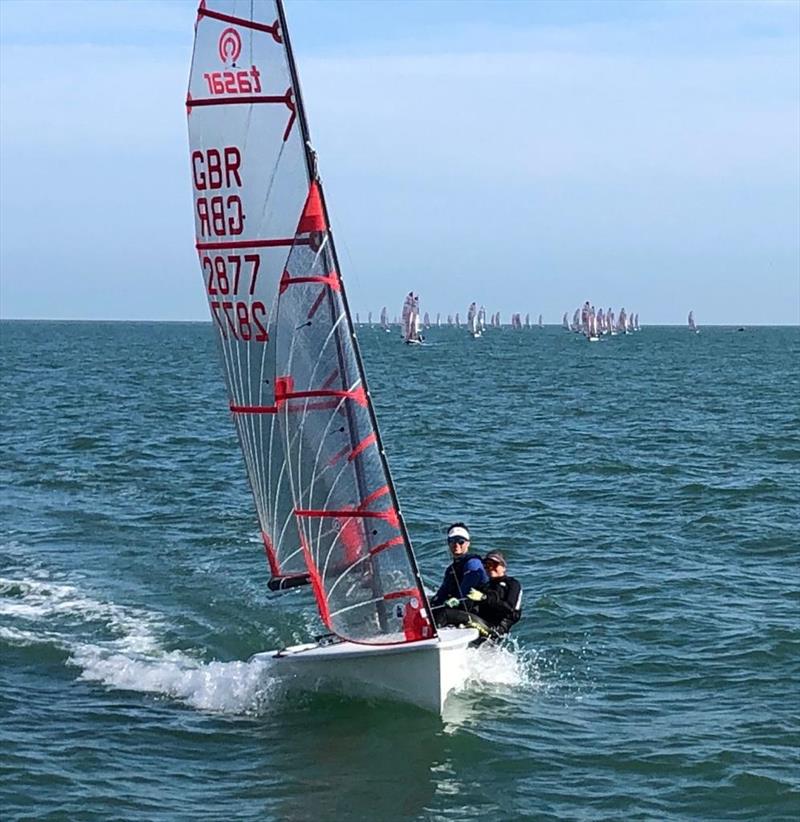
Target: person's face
pixel 494 569
pixel 458 546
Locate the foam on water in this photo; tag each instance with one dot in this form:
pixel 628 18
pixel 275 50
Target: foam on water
pixel 228 687
pixel 497 667
pixel 120 647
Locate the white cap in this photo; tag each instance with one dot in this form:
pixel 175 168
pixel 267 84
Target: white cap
pixel 458 531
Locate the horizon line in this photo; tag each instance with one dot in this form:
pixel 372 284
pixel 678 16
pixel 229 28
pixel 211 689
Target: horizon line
pixel 377 324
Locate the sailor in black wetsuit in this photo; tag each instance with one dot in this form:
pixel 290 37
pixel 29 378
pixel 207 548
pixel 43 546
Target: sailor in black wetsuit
pixel 450 604
pixel 498 602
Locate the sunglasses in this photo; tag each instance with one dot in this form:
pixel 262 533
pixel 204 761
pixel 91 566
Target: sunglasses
pixel 457 541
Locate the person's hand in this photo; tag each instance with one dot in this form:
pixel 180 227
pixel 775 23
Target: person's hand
pixel 452 602
pixel 475 595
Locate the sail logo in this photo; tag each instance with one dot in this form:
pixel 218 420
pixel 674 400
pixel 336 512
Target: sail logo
pixel 230 46
pixel 246 81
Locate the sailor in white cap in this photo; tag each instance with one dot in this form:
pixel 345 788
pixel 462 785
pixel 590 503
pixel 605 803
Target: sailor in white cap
pixel 465 572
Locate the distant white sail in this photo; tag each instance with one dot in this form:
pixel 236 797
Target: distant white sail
pixel 411 320
pixel 472 319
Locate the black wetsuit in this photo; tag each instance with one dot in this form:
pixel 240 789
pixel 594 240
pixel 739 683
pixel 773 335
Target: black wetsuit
pixel 502 607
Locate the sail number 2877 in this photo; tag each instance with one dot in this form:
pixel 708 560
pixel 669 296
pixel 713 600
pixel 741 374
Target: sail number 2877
pixel 235 318
pixel 241 320
pixel 224 273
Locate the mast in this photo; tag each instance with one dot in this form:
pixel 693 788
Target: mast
pixel 313 175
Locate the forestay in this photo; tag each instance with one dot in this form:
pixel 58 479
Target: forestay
pixel 324 497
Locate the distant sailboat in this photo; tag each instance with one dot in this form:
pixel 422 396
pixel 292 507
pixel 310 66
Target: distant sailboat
pixel 692 324
pixel 539 321
pixel 592 336
pixel 472 320
pixel 411 320
pixel 385 320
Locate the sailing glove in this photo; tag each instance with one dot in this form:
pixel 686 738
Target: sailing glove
pixel 452 602
pixel 475 595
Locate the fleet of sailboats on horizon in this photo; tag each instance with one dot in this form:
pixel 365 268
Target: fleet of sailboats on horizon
pixel 587 321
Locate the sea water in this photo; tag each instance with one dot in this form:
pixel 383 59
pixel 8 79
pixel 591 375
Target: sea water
pixel 644 490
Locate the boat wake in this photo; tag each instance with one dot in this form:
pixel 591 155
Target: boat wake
pixel 226 687
pixel 121 648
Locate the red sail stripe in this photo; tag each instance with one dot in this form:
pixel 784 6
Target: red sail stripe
pixel 317 303
pixel 331 280
pixel 272 559
pixel 316 582
pixel 382 491
pixel 240 21
pixel 362 446
pixel 359 395
pixel 408 592
pixel 292 118
pixel 221 244
pixel 240 99
pixel 254 409
pixel 384 545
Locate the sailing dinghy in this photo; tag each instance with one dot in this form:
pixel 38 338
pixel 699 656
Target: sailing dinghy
pixel 324 497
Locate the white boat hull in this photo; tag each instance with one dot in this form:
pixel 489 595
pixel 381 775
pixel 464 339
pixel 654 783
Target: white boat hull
pixel 421 673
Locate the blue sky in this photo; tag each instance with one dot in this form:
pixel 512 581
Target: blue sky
pixel 529 155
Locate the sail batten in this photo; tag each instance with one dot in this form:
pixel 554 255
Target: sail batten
pixel 325 500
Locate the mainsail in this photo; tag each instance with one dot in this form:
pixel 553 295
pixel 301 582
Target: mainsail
pixel 325 501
